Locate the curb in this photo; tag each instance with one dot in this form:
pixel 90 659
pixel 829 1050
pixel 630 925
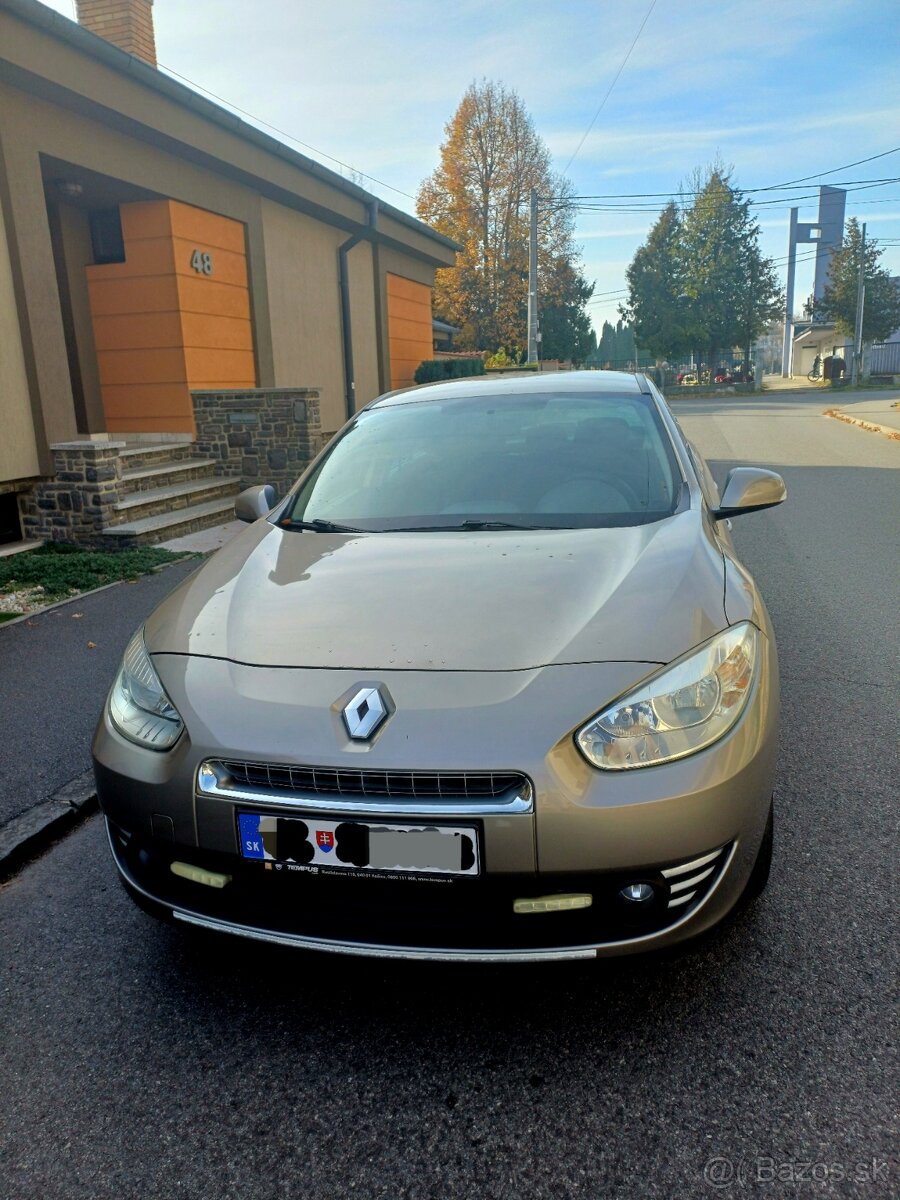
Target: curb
pixel 104 587
pixel 28 834
pixel 871 426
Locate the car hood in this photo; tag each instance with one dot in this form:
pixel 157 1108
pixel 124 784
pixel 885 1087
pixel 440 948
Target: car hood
pixel 464 601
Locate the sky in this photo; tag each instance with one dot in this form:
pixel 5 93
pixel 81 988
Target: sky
pixel 778 90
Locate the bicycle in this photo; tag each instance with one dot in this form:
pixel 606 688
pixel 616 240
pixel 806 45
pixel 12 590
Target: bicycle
pixel 816 373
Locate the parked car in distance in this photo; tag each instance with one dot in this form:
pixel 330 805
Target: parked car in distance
pixel 689 379
pixel 489 684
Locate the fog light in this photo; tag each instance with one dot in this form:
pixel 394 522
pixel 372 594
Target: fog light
pixel 638 893
pixel 198 875
pixel 637 898
pixel 548 904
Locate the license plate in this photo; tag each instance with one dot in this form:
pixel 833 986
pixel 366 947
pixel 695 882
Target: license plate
pixel 361 846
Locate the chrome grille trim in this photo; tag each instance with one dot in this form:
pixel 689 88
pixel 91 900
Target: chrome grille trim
pixel 694 864
pixel 690 883
pixel 681 884
pixel 360 791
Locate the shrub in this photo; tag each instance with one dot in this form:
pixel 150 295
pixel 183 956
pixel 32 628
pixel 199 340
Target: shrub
pixel 503 360
pixel 61 569
pixel 434 369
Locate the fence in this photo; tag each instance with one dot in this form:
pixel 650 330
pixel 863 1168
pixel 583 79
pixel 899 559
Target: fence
pixel 885 359
pixel 729 368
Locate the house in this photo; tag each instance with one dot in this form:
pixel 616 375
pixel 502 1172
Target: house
pixel 442 336
pixel 187 305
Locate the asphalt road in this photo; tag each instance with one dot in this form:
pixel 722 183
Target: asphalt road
pixel 55 670
pixel 140 1062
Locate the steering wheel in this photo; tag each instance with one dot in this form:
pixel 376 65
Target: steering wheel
pixel 617 485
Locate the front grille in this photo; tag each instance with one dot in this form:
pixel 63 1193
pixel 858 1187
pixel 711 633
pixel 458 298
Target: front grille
pixel 398 785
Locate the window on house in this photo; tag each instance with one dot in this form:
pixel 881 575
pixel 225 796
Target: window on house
pixel 107 242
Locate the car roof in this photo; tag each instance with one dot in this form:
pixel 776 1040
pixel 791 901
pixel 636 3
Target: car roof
pixel 517 384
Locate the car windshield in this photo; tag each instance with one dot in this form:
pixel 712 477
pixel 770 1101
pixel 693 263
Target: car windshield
pixel 494 461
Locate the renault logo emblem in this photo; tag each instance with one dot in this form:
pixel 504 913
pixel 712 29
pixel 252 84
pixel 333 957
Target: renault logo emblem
pixel 364 713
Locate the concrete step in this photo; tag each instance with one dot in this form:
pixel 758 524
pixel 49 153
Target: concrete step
pixel 141 479
pixel 147 531
pixel 154 454
pixel 157 501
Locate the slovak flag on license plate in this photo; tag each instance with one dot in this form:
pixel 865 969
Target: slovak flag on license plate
pixel 325 840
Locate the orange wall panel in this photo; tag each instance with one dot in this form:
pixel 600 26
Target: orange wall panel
pixel 409 327
pixel 145 331
pixel 205 295
pixel 223 333
pixel 148 408
pixel 207 230
pixel 150 256
pixel 145 219
pixel 224 368
pixel 163 328
pixel 111 296
pixel 127 400
pixel 227 267
pixel 399 285
pixel 142 366
pixel 405 329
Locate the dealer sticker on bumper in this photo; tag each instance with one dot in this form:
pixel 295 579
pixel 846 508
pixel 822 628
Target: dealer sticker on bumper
pixel 359 845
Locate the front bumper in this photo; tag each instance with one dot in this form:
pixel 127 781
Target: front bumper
pixel 462 920
pixel 587 832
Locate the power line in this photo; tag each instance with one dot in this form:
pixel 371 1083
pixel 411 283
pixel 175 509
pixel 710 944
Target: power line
pixel 609 90
pixel 773 187
pixel 619 294
pixel 565 201
pixel 846 167
pixel 244 112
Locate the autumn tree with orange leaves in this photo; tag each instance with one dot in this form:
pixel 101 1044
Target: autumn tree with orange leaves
pixel 479 196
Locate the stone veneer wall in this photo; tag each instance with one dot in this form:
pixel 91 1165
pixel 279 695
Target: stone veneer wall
pixel 264 435
pixel 77 502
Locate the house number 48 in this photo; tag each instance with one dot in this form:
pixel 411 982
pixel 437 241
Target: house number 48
pixel 201 261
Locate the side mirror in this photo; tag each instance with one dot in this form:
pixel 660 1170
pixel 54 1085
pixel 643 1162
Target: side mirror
pixel 254 502
pixel 748 489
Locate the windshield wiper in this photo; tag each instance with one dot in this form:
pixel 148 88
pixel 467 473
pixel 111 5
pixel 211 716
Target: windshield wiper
pixel 319 526
pixel 476 525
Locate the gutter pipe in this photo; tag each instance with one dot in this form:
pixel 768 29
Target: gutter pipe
pixel 346 323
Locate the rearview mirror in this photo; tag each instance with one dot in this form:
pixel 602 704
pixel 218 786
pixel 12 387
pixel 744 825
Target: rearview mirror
pixel 748 489
pixel 254 502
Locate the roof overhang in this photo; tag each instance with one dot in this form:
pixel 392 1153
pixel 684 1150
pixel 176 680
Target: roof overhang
pixel 424 242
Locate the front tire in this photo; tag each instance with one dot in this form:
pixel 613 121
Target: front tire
pixel 759 876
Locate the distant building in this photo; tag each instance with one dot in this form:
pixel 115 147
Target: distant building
pixel 443 335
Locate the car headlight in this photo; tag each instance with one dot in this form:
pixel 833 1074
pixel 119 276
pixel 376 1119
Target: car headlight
pixel 683 709
pixel 138 705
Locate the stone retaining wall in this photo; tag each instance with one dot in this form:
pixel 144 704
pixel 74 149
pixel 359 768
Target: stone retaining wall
pixel 264 435
pixel 76 504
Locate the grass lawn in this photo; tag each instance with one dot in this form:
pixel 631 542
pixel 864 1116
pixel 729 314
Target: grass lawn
pixel 61 570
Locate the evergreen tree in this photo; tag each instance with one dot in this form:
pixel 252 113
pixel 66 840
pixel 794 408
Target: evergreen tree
pixel 566 329
pixel 655 283
pixel 700 282
pixel 881 316
pixel 714 259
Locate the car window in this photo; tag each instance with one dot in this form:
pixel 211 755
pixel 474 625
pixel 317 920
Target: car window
pixel 534 460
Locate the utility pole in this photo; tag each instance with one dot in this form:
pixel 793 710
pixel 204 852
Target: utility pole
pixel 532 282
pixel 788 343
pixel 860 311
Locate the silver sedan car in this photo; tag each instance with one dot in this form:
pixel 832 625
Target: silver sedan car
pixel 489 683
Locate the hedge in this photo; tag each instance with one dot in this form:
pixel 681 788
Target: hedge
pixel 434 369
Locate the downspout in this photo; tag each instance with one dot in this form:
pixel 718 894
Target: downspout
pixel 346 323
